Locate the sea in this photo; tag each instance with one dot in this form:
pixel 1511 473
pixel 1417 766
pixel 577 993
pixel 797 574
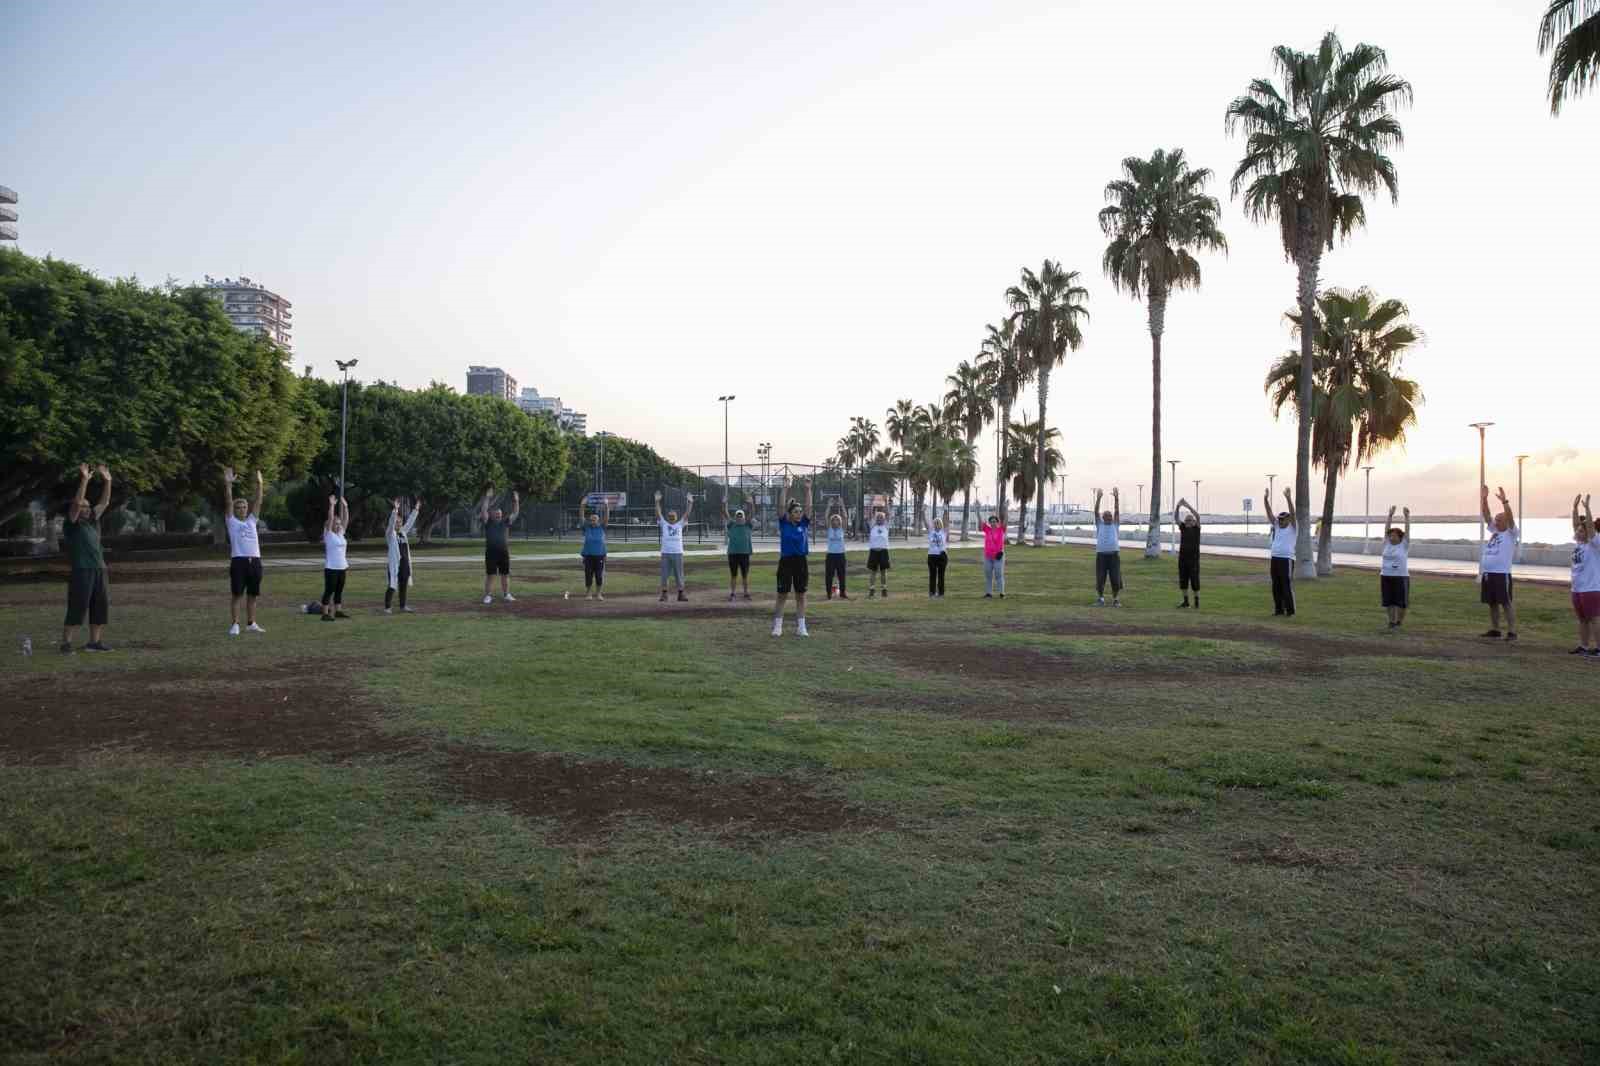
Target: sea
pixel 1552 531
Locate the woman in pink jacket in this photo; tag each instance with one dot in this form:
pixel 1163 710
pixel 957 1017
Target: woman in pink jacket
pixel 994 556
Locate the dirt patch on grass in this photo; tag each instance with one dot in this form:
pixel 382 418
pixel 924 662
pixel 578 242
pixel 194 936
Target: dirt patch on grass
pixel 700 606
pixel 1284 851
pixel 1005 662
pixel 302 712
pixel 1305 643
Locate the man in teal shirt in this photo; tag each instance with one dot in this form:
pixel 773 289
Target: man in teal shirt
pixel 739 549
pixel 88 591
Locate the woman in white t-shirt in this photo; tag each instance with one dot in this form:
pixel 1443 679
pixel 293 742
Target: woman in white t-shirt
pixel 938 557
pixel 1394 579
pixel 671 527
pixel 1585 580
pixel 878 554
pixel 1494 566
pixel 335 561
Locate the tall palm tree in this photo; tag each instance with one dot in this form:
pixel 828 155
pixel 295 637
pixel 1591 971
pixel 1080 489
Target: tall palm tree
pixel 1312 151
pixel 967 404
pixel 1033 448
pixel 1360 403
pixel 1157 213
pixel 899 422
pixel 1047 307
pixel 1570 30
pixel 1009 371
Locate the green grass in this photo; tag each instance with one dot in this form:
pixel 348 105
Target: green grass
pixel 1088 835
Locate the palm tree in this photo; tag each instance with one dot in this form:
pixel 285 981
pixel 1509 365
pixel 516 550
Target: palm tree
pixel 1047 308
pixel 967 405
pixel 899 422
pixel 1360 403
pixel 1575 62
pixel 1032 448
pixel 1311 152
pixel 1157 214
pixel 1009 371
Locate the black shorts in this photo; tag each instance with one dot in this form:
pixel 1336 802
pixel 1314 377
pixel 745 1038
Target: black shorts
pixel 497 560
pixel 1396 591
pixel 739 563
pixel 1495 589
pixel 1189 573
pixel 244 575
pixel 793 574
pixel 878 559
pixel 88 591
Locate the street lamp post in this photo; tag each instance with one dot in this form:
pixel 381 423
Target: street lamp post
pixel 725 401
pixel 1523 538
pixel 1196 497
pixel 1366 516
pixel 1480 427
pixel 1174 464
pixel 344 414
pixel 1141 498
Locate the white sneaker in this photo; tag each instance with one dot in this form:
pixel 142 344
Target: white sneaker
pixel 408 610
pixel 1116 603
pixel 233 630
pixel 801 631
pixel 510 598
pixel 1100 601
pixel 777 627
pixel 599 595
pixel 388 610
pixel 487 600
pixel 253 628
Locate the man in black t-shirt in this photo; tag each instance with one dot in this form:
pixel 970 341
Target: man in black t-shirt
pixel 497 544
pixel 1188 551
pixel 87 589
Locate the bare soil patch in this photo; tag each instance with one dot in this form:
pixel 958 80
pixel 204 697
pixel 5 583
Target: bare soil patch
pixel 1317 647
pixel 1284 851
pixel 303 711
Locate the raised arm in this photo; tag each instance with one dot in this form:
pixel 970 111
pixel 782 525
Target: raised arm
pixel 1483 504
pixel 688 507
pixel 807 511
pixel 333 512
pixel 1505 510
pixel 1289 499
pixel 1388 523
pixel 105 491
pixel 1116 506
pixel 1575 501
pixel 483 504
pixel 725 515
pixel 81 496
pixel 1098 496
pixel 227 489
pixel 659 516
pixel 516 506
pixel 583 509
pixel 411 519
pixel 1588 515
pixel 1177 509
pixel 605 512
pixel 1407 535
pixel 393 524
pixel 344 514
pixel 261 490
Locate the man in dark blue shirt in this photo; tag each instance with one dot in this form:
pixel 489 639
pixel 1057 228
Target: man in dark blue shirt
pixel 794 532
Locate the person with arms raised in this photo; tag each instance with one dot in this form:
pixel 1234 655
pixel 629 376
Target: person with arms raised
pixel 794 531
pixel 397 538
pixel 244 551
pixel 994 556
pixel 1188 551
pixel 671 527
pixel 878 554
pixel 938 556
pixel 1394 572
pixel 497 543
pixel 1494 566
pixel 336 561
pixel 1585 580
pixel 1108 548
pixel 594 548
pixel 834 564
pixel 88 586
pixel 1283 554
pixel 740 529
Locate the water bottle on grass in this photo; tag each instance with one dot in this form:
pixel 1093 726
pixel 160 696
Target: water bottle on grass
pixel 27 645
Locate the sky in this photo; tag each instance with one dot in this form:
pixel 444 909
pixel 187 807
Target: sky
pixel 817 208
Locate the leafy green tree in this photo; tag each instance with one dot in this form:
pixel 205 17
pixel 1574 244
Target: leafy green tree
pixel 155 383
pixel 1031 444
pixel 1361 405
pixel 1157 217
pixel 1048 308
pixel 1570 33
pixel 968 404
pixel 1313 149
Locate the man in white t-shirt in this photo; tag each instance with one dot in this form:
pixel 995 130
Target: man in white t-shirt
pixel 1494 567
pixel 671 527
pixel 1284 535
pixel 1108 549
pixel 244 551
pixel 1394 573
pixel 1585 580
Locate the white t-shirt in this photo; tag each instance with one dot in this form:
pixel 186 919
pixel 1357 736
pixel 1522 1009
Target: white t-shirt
pixel 1395 559
pixel 878 536
pixel 243 540
pixel 1585 567
pixel 1283 541
pixel 333 550
pixel 1106 536
pixel 671 537
pixel 1498 551
pixel 936 541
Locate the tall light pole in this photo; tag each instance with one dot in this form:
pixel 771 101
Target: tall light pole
pixel 1141 498
pixel 725 401
pixel 1480 427
pixel 1174 464
pixel 344 415
pixel 764 453
pixel 1196 495
pixel 1272 485
pixel 1366 517
pixel 1523 538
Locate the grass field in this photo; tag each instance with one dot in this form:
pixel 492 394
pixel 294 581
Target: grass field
pixel 962 831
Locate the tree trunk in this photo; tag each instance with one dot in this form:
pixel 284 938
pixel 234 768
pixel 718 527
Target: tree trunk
pixel 1038 471
pixel 1158 318
pixel 1308 261
pixel 966 502
pixel 1022 519
pixel 1000 462
pixel 1324 545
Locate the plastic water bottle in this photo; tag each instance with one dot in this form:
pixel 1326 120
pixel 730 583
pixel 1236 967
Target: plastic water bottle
pixel 27 645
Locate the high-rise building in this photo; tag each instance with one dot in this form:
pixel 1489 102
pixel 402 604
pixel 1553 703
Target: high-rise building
pixel 531 402
pixel 8 214
pixel 491 381
pixel 253 308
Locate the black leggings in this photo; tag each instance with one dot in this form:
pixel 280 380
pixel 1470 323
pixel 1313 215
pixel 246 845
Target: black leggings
pixel 1283 586
pixel 834 568
pixel 594 570
pixel 936 565
pixel 403 576
pixel 333 587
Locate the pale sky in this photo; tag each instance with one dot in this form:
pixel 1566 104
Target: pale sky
pixel 815 207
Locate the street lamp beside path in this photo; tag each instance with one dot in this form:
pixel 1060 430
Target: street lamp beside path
pixel 1522 534
pixel 344 366
pixel 1482 484
pixel 1366 516
pixel 1174 464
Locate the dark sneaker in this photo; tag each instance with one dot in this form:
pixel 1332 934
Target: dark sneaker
pixel 1277 614
pixel 681 597
pixel 340 614
pixel 327 618
pixel 747 597
pixel 1490 633
pixel 1594 653
pixel 830 594
pixel 1510 637
pixel 842 596
pixel 885 593
pixel 1579 650
pixel 1184 606
pixel 66 649
pixel 988 595
pixel 95 645
pixel 663 596
pixel 872 593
